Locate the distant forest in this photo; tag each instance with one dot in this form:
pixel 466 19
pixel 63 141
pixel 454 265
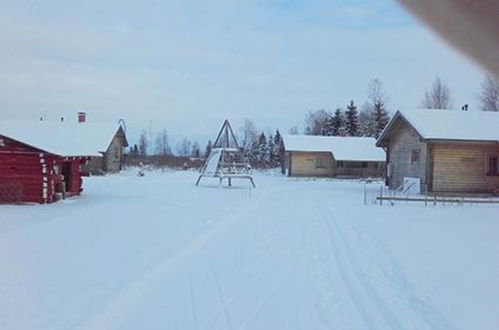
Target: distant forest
pixel 265 150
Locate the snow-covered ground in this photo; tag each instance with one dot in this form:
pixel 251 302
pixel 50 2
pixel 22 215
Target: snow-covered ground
pixel 155 252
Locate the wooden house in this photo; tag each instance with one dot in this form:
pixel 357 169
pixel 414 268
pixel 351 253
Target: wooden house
pixel 40 160
pixel 447 151
pixel 111 157
pixel 332 156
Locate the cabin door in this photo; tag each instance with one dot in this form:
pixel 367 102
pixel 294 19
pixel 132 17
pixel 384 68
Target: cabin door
pixel 66 172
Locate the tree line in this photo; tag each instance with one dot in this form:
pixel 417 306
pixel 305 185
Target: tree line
pixel 265 149
pixel 369 121
pixel 260 149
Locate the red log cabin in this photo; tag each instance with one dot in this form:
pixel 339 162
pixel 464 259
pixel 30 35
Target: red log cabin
pixel 42 161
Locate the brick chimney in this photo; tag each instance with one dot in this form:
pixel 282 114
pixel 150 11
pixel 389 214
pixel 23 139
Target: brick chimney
pixel 82 117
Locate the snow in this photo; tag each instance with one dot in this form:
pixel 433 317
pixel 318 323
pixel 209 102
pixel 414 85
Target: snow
pixel 62 138
pixel 155 252
pixel 459 125
pixel 343 148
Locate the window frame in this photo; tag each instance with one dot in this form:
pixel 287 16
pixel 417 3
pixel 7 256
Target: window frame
pixel 415 156
pixel 488 171
pixel 319 163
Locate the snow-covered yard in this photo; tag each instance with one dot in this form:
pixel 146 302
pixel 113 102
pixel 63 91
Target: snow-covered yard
pixel 155 252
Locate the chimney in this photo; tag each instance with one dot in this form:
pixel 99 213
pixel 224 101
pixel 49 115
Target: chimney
pixel 82 117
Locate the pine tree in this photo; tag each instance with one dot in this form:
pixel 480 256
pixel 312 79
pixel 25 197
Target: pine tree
pixel 195 149
pixel 352 120
pixel 278 156
pixel 380 119
pixel 263 151
pixel 337 123
pixel 134 151
pixel 208 148
pixel 270 152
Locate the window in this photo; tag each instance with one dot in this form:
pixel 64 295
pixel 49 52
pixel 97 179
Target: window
pixel 415 155
pixel 341 164
pixel 2 143
pixel 492 165
pixel 364 164
pixel 319 163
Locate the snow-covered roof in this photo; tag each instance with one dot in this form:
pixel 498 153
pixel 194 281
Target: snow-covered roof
pixel 342 148
pixel 62 138
pixel 434 124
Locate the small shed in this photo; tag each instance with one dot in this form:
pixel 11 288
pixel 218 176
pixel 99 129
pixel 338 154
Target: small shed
pixel 449 151
pixel 40 159
pixel 332 156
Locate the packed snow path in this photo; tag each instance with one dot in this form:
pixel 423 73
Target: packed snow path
pixel 157 253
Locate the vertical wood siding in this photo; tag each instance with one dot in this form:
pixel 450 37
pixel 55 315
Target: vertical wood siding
pixel 403 141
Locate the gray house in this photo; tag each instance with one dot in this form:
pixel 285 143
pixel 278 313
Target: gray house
pixel 448 151
pixel 111 145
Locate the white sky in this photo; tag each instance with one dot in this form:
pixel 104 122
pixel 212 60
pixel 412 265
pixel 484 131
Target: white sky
pixel 186 66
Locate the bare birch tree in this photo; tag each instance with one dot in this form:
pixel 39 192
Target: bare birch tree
pixel 489 96
pixel 438 97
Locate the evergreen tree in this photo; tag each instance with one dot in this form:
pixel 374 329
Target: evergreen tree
pixel 337 122
pixel 270 152
pixel 263 151
pixel 134 151
pixel 208 148
pixel 380 119
pixel 352 120
pixel 195 149
pixel 277 154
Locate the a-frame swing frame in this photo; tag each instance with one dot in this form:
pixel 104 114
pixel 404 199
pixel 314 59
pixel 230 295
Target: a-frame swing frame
pixel 218 163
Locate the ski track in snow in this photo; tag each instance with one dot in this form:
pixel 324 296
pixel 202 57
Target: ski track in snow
pixel 379 297
pixel 305 262
pixel 114 312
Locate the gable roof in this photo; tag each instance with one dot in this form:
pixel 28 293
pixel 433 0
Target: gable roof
pixel 343 148
pixel 62 138
pixel 457 125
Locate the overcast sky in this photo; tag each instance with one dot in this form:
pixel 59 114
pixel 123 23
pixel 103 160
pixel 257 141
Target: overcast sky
pixel 187 65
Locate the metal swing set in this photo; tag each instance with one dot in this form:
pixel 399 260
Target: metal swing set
pixel 226 159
